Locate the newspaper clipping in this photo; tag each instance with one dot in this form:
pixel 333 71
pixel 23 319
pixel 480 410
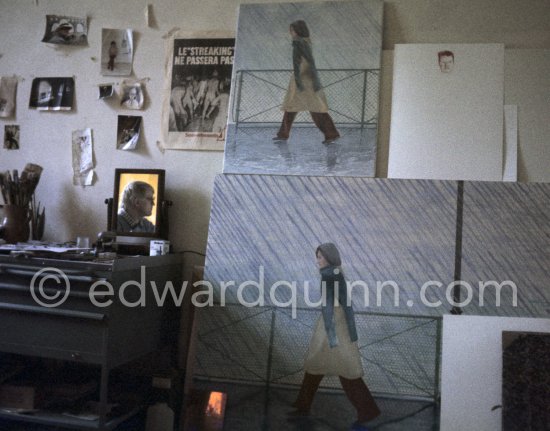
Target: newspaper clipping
pixel 196 95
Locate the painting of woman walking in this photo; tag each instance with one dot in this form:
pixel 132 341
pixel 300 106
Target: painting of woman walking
pixel 305 89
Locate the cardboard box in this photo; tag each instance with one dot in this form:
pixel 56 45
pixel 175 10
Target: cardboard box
pixel 18 397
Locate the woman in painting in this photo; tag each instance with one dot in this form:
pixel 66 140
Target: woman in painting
pixel 333 347
pixel 304 90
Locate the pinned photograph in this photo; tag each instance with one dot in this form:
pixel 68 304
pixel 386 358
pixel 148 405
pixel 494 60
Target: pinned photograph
pixel 11 137
pixel 105 91
pixel 8 86
pixel 117 52
pixel 66 30
pixel 132 94
pixel 196 100
pixel 83 158
pixel 52 94
pixel 128 132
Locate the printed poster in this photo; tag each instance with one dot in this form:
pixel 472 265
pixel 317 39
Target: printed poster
pixel 196 95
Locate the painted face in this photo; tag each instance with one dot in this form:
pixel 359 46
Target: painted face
pixel 292 32
pixel 446 63
pixel 321 261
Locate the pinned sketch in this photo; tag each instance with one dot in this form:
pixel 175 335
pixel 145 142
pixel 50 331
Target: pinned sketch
pixel 196 95
pixel 66 30
pixel 105 91
pixel 8 86
pixel 117 52
pixel 11 137
pixel 83 159
pixel 128 132
pixel 52 94
pixel 132 94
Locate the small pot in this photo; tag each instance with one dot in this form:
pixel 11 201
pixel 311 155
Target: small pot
pixel 15 224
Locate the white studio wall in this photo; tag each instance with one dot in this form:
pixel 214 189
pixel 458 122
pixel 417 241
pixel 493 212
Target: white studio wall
pixel 471 374
pixel 45 137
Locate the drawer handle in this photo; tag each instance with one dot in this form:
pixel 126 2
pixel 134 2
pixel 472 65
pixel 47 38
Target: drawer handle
pixel 75 356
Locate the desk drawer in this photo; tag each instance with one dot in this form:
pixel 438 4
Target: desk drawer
pixel 53 333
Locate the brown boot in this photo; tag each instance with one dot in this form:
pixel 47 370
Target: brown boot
pixel 358 393
pixel 325 124
pixel 309 387
pixel 286 124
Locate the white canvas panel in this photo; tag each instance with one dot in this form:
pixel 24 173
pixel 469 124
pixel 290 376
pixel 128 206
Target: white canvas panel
pixel 527 85
pixel 510 143
pixel 447 124
pixel 471 369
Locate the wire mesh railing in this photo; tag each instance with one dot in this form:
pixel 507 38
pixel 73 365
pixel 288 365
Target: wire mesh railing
pixel 352 96
pixel 266 345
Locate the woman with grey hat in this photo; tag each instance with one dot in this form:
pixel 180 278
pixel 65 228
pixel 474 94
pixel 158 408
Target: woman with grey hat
pixel 333 347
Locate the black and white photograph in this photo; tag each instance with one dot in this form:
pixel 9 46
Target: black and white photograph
pixel 66 30
pixel 195 110
pixel 11 137
pixel 8 87
pixel 105 91
pixel 52 94
pixel 128 132
pixel 117 52
pixel 131 94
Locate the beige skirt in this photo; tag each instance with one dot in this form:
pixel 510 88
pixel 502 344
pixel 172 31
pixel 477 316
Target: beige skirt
pixel 308 99
pixel 343 360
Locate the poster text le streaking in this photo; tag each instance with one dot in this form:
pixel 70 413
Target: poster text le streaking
pixel 204 55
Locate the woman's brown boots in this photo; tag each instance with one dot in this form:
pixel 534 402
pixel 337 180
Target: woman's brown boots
pixel 359 395
pixel 309 387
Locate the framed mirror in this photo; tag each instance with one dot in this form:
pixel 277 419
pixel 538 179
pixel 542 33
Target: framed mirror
pixel 138 201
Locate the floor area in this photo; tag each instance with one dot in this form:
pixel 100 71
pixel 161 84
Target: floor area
pixel 255 408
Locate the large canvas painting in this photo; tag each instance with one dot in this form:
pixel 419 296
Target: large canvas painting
pixel 305 89
pixel 269 226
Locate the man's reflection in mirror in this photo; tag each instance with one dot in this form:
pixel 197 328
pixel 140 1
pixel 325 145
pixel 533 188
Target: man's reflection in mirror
pixel 138 200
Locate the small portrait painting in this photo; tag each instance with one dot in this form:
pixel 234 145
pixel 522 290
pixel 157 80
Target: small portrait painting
pixel 446 61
